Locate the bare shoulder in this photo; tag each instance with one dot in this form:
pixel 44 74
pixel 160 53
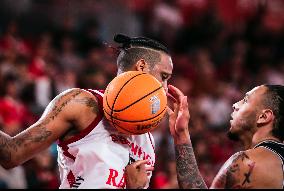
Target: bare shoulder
pixel 87 104
pixel 71 94
pixel 89 100
pixel 74 106
pixel 232 175
pixel 268 172
pixel 249 169
pixel 79 101
pixel 69 112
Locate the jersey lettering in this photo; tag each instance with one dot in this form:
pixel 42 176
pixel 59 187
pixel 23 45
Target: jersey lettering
pixel 112 179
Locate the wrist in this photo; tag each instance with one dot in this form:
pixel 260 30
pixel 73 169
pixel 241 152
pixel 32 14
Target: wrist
pixel 182 138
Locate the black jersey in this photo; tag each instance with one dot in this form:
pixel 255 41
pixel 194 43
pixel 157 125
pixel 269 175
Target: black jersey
pixel 276 147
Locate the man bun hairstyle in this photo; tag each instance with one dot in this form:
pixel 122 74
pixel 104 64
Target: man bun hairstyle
pixel 275 100
pixel 128 42
pixel 136 48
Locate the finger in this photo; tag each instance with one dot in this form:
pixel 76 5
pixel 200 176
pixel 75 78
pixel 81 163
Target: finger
pixel 175 90
pixel 184 106
pixel 172 112
pixel 180 96
pixel 184 102
pixel 150 168
pixel 139 163
pixel 175 112
pixel 171 97
pixel 172 117
pixel 173 94
pixel 142 167
pixel 176 93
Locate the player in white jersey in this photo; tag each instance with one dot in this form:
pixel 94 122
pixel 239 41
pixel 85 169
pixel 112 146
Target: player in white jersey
pixel 83 166
pixel 92 154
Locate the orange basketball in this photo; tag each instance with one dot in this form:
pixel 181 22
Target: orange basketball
pixel 134 102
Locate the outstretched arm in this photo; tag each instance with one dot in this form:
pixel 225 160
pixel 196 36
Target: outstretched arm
pixel 57 118
pixel 188 174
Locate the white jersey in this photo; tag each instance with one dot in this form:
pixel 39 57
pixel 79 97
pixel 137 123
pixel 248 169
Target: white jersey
pixel 97 156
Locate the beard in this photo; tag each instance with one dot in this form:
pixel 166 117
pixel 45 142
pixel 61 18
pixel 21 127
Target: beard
pixel 233 136
pixel 242 126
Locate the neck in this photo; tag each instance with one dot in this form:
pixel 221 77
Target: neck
pixel 262 134
pixel 258 140
pixel 246 140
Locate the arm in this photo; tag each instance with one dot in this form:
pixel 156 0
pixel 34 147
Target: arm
pixel 237 172
pixel 59 116
pixel 188 174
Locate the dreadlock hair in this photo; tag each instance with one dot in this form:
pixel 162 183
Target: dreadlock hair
pixel 274 99
pixel 134 49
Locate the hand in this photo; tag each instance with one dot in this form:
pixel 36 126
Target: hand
pixel 178 116
pixel 136 174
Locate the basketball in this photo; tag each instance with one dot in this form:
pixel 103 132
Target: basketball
pixel 134 102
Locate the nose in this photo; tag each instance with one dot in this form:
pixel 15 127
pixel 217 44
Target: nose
pixel 235 107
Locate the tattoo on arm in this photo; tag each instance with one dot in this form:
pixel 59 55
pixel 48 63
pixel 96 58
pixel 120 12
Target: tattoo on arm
pixel 57 109
pixel 37 133
pixel 187 170
pixel 231 176
pixel 248 174
pixel 90 102
pixel 9 145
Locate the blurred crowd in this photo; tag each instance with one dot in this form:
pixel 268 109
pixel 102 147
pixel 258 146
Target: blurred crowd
pixel 220 50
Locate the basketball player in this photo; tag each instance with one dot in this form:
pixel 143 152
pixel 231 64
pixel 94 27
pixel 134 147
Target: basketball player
pixel 257 121
pixel 91 153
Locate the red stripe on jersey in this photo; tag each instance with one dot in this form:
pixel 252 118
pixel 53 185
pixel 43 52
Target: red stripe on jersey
pixel 65 151
pixel 86 131
pixel 151 142
pixel 71 178
pixel 102 91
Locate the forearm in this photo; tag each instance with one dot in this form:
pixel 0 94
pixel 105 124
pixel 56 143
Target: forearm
pixel 188 174
pixel 6 149
pixel 16 150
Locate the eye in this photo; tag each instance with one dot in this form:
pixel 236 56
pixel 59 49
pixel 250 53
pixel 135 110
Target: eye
pixel 165 76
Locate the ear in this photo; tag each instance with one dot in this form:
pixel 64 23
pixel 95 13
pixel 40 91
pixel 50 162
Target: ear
pixel 265 117
pixel 142 66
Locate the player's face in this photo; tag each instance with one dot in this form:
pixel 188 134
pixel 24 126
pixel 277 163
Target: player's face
pixel 245 112
pixel 163 70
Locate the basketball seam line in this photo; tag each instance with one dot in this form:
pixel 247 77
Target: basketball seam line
pixel 119 110
pixel 137 120
pixel 124 128
pixel 119 93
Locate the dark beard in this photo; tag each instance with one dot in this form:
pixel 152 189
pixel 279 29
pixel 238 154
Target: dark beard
pixel 246 125
pixel 233 136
